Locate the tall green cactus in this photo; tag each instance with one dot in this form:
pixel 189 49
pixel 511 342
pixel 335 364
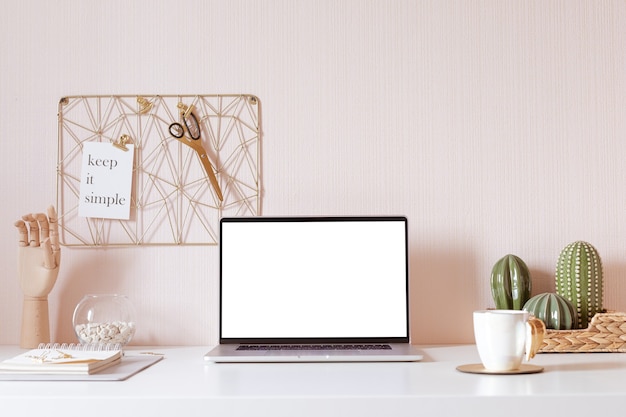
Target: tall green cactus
pixel 579 278
pixel 510 283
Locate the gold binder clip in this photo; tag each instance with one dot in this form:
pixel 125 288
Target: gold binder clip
pixel 122 141
pixel 185 110
pixel 144 105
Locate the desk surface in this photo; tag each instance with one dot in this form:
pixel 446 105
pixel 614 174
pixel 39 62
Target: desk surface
pixel 184 385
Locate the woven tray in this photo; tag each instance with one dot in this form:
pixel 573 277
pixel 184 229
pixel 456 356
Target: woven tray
pixel 605 333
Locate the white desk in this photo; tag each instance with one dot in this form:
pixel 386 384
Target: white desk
pixel 184 385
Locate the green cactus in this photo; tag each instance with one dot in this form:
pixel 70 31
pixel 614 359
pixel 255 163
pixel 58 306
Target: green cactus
pixel 579 278
pixel 555 311
pixel 510 283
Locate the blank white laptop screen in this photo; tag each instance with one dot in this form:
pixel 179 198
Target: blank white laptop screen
pixel 301 278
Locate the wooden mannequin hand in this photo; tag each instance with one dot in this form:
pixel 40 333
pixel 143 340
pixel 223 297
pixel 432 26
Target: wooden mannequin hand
pixel 39 254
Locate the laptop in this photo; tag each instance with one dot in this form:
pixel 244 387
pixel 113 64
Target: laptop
pixel 314 289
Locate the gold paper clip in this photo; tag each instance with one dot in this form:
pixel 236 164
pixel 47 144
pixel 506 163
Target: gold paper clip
pixel 122 141
pixel 40 358
pixel 63 355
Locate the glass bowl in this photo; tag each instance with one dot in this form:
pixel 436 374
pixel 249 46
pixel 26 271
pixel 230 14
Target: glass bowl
pixel 104 318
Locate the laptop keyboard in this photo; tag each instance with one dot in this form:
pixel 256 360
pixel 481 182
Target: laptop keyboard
pixel 316 347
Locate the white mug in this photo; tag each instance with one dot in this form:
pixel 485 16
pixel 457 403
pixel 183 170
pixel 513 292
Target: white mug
pixel 505 337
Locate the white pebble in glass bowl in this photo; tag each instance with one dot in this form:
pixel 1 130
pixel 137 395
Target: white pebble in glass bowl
pixel 104 318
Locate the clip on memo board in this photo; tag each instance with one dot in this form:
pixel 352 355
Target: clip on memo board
pixel 174 199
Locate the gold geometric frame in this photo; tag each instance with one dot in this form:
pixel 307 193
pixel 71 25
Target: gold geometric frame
pixel 173 202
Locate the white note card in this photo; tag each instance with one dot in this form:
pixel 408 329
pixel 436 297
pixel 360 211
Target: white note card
pixel 106 181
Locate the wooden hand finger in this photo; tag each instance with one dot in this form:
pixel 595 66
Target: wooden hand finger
pixel 49 261
pixel 54 230
pixel 44 227
pixel 23 232
pixel 34 229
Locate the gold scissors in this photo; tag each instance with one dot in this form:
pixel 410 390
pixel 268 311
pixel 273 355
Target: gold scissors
pixel 193 128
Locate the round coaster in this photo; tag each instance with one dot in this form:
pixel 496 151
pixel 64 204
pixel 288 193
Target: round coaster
pixel 478 368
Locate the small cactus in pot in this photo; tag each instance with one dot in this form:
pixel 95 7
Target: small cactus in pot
pixel 510 283
pixel 579 278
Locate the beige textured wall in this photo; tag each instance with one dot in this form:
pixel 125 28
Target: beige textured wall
pixel 496 126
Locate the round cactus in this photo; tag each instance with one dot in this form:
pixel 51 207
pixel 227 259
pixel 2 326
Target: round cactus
pixel 555 311
pixel 579 278
pixel 510 283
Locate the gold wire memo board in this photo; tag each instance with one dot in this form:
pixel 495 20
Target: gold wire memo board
pixel 173 200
